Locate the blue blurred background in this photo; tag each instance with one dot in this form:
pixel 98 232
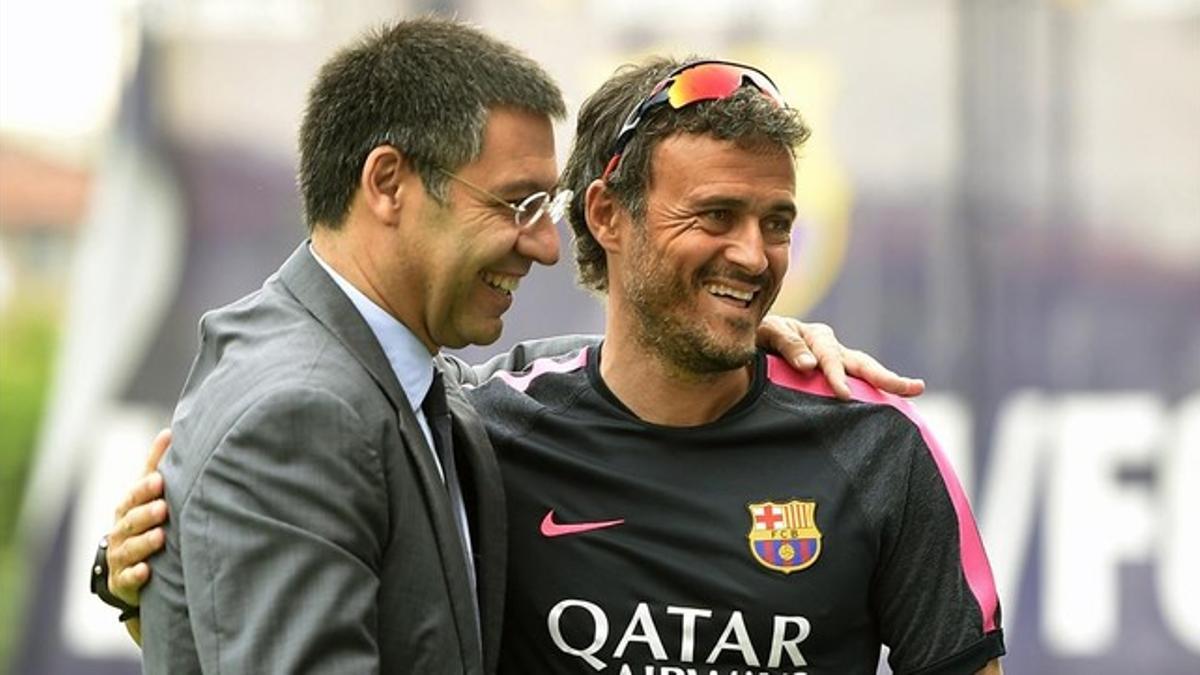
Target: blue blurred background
pixel 1002 197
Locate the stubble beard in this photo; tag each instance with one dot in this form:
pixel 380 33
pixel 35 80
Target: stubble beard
pixel 670 325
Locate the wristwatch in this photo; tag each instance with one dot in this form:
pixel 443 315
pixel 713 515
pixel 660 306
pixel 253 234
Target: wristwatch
pixel 100 584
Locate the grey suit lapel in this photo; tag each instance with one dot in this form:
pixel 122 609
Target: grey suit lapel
pixel 313 287
pixel 484 488
pixel 303 276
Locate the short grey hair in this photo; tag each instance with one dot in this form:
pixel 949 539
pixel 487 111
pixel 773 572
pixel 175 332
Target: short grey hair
pixel 747 118
pixel 423 86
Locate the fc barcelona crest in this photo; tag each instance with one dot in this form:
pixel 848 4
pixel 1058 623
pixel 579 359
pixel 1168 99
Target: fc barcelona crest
pixel 784 536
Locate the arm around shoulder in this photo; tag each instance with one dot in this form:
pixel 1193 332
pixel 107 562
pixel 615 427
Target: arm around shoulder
pixel 520 357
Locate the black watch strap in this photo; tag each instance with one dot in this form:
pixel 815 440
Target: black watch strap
pixel 99 584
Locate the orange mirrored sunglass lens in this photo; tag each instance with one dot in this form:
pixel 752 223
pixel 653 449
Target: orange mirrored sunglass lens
pixel 704 82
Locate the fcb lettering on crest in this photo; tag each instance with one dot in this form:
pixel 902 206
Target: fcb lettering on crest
pixel 784 536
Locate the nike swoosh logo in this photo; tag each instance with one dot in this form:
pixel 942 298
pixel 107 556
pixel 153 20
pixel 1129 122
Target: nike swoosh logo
pixel 553 529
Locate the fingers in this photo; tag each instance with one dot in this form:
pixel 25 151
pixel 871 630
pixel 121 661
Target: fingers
pixel 867 367
pixel 157 449
pixel 809 345
pixel 835 374
pixel 794 349
pixel 136 535
pixel 830 356
pixel 127 567
pixel 141 518
pixel 145 490
pixel 136 532
pixel 134 551
pixel 127 583
pixel 784 337
pixel 797 353
pixel 141 509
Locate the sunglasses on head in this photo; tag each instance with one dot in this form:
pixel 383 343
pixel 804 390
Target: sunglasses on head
pixel 688 84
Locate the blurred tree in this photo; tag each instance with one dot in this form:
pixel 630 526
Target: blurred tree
pixel 28 335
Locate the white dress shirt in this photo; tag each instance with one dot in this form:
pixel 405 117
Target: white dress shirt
pixel 413 366
pixel 410 360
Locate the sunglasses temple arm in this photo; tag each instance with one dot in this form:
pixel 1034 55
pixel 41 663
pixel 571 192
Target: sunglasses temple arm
pixel 612 166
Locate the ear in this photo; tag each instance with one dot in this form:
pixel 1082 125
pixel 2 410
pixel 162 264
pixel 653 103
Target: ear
pixel 386 176
pixel 607 220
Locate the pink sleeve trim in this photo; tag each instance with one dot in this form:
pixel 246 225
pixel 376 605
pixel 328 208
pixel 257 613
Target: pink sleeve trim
pixel 976 567
pixel 540 367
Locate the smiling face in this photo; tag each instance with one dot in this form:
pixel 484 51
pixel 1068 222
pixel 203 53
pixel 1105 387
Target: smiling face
pixel 461 262
pixel 705 265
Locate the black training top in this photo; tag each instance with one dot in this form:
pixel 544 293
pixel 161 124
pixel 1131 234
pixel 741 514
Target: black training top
pixel 796 534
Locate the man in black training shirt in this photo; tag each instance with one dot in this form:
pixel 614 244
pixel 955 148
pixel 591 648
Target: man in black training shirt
pixel 680 503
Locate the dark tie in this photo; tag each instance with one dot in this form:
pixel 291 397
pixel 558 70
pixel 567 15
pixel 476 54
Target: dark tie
pixel 437 413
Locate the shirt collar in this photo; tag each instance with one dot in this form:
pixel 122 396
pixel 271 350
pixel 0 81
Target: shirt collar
pixel 406 354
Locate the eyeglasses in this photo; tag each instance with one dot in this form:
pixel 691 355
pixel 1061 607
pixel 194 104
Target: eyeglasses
pixel 692 83
pixel 529 210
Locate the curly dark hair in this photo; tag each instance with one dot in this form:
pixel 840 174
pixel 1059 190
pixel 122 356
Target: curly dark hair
pixel 747 118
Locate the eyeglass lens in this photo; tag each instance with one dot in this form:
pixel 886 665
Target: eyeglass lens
pixel 530 210
pixel 538 204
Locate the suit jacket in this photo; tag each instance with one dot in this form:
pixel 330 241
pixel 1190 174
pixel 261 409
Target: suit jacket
pixel 309 529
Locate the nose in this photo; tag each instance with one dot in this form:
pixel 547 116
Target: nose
pixel 746 248
pixel 540 241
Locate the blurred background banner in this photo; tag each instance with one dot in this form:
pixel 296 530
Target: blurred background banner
pixel 1002 197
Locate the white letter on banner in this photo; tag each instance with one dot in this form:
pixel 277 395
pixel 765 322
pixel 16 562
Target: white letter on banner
pixel 1093 522
pixel 1179 541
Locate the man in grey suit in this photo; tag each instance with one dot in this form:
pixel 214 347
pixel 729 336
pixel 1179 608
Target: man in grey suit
pixel 320 521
